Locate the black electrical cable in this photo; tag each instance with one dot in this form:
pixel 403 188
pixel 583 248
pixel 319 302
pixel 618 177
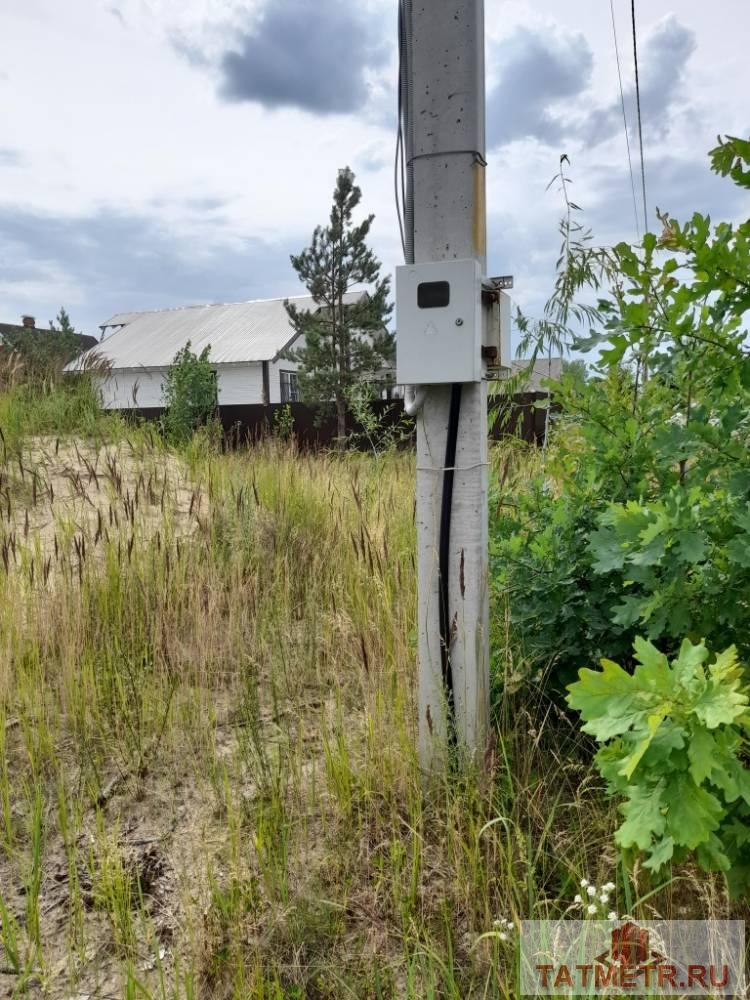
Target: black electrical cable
pixel 444 556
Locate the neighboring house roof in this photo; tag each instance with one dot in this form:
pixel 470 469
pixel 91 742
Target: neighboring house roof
pixel 544 368
pixel 237 332
pixel 13 335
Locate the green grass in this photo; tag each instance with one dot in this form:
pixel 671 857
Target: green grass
pixel 208 777
pixel 47 408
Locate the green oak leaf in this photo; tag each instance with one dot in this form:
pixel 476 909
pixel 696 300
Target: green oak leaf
pixel 609 553
pixel 691 546
pixel 737 833
pixel 628 612
pixel 731 776
pixel 738 551
pixel 644 818
pixel 609 760
pixel 711 855
pixel 688 667
pixel 631 763
pixel 652 673
pixel 726 665
pixel 661 853
pixel 692 813
pixel 606 699
pixel 722 702
pixel 701 754
pixel 742 518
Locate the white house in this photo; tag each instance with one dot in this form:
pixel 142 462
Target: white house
pixel 247 340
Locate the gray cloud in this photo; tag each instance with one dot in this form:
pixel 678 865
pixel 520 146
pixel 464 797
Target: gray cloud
pixel 675 184
pixel 116 13
pixel 11 157
pixel 313 56
pixel 538 74
pixel 663 73
pixel 121 263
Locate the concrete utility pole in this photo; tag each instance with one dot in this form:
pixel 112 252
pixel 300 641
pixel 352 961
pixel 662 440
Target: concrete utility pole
pixel 444 98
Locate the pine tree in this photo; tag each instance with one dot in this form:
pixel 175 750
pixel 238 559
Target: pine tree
pixel 63 322
pixel 343 343
pixel 65 343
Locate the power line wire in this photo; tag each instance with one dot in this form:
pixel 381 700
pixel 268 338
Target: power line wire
pixel 400 167
pixel 624 119
pixel 638 107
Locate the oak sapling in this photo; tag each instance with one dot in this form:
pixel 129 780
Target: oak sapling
pixel 672 735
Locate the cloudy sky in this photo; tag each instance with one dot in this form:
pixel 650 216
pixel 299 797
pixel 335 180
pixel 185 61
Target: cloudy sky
pixel 163 152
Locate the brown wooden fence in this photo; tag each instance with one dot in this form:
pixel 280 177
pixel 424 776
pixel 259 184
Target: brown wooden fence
pixel 520 416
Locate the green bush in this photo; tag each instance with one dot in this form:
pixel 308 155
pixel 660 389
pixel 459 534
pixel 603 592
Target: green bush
pixel 560 611
pixel 283 423
pixel 189 394
pixel 640 521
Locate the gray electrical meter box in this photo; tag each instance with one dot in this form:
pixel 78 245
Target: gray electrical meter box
pixel 439 322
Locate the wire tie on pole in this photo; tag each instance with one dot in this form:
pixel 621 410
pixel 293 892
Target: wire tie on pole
pixel 452 468
pixel 448 152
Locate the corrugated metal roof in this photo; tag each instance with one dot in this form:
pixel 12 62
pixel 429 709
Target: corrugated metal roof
pixel 237 332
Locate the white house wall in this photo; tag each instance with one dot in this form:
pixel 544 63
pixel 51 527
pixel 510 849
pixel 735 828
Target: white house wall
pixel 131 390
pixel 240 385
pixel 237 385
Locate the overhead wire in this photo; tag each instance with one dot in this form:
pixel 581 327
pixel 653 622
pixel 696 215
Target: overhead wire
pixel 625 119
pixel 638 108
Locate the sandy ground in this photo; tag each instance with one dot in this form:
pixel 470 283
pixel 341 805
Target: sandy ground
pixel 59 489
pixel 161 825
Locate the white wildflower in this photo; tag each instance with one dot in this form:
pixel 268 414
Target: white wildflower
pixel 608 887
pixel 577 898
pixel 497 924
pixel 604 899
pixel 612 915
pixel 591 890
pixel 503 936
pixel 591 909
pixel 584 883
pixel 510 925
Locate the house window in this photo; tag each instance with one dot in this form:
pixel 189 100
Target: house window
pixel 289 390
